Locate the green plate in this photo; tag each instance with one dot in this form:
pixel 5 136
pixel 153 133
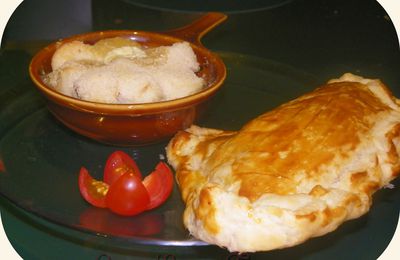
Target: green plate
pixel 42 159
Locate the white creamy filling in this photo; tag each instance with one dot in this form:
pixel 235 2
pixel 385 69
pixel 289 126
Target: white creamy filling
pixel 111 73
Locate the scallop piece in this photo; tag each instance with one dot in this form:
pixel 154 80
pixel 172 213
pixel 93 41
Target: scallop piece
pixel 72 51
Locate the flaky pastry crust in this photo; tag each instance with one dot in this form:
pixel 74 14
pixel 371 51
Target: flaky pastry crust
pixel 292 173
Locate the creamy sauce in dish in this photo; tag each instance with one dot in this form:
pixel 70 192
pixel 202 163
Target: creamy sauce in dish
pixel 121 71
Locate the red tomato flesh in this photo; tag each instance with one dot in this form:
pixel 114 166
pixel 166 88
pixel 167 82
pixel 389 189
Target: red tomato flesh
pixel 93 191
pixel 122 190
pixel 159 185
pixel 117 164
pixel 127 196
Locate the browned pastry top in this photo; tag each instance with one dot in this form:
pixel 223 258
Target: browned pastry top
pixel 295 172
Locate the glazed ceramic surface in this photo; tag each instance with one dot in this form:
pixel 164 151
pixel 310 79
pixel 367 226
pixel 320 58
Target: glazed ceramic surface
pixel 135 124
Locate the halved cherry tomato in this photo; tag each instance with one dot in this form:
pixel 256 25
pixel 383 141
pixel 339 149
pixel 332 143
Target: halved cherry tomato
pixel 93 191
pixel 117 164
pixel 127 196
pixel 123 191
pixel 159 185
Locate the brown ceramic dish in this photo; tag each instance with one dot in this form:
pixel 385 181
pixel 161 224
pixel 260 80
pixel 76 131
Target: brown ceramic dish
pixel 135 124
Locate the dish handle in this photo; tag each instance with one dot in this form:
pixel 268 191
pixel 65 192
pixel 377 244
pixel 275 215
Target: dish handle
pixel 196 30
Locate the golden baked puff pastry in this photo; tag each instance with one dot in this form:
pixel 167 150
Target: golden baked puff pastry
pixel 293 173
